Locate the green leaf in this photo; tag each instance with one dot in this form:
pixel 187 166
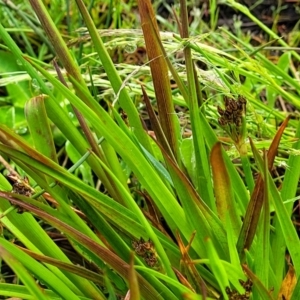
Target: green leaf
pixel 4 184
pixel 39 127
pixel 19 92
pixel 188 158
pixel 224 192
pixel 217 267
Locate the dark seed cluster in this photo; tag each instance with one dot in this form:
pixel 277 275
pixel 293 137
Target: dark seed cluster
pixel 21 187
pixel 234 295
pixel 233 112
pixel 146 250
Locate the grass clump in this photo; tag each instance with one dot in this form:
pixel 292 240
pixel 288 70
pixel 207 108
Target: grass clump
pixel 135 179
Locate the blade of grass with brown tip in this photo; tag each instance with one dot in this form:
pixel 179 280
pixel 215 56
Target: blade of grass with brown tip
pixel 241 193
pixel 250 222
pixel 196 209
pixel 288 284
pixel 275 143
pixel 39 127
pixel 224 194
pixel 160 77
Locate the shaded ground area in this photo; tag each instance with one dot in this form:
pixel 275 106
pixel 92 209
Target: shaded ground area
pixel 282 16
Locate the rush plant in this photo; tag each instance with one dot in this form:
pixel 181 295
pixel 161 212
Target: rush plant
pixel 184 210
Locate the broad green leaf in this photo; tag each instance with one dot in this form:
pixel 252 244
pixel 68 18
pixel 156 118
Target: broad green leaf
pixel 225 201
pixel 39 127
pixel 188 158
pixel 18 92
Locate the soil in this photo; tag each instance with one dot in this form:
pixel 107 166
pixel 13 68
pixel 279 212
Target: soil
pixel 282 16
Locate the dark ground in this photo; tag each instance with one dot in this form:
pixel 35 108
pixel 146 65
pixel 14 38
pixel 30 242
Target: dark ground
pixel 282 16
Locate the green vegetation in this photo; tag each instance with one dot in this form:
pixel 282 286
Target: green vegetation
pixel 132 178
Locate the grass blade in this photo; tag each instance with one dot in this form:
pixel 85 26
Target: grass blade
pixel 8 251
pixel 204 185
pixel 161 81
pixel 254 208
pixel 223 191
pixel 114 78
pixel 39 127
